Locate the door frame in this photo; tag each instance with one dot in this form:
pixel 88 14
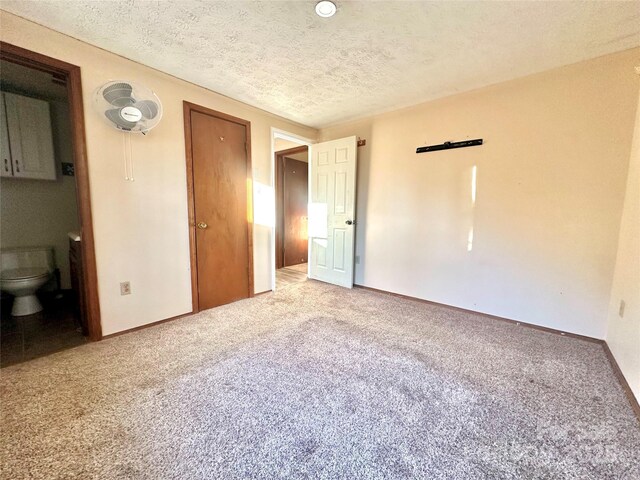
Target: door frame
pixel 303 141
pixel 279 191
pixel 71 74
pixel 189 107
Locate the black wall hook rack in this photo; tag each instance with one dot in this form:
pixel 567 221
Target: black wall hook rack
pixel 449 145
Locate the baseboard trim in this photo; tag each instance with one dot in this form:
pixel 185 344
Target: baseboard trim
pixel 262 293
pixel 170 319
pixel 635 406
pixel 488 315
pixel 623 381
pixel 146 325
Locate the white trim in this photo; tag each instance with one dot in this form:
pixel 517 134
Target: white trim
pixel 292 137
pixel 277 133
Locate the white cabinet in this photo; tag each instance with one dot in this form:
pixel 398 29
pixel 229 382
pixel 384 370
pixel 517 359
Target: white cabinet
pixel 6 168
pixel 27 141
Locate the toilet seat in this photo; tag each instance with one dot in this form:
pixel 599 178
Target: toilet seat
pixel 21 274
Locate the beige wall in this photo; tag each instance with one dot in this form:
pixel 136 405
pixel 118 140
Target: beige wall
pixel 302 157
pixel 141 228
pixel 42 212
pixel 550 186
pixel 623 334
pixel 280 144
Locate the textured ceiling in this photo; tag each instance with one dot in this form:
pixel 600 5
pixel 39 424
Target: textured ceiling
pixel 370 57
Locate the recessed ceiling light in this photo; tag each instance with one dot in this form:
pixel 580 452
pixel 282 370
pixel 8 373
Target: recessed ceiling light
pixel 325 8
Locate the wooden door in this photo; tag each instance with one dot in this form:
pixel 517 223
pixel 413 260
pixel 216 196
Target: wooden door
pixel 221 211
pixel 295 239
pixel 279 161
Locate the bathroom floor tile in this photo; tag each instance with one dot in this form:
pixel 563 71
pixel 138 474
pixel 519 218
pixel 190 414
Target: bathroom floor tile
pixel 51 344
pixel 31 336
pixel 9 325
pixel 11 348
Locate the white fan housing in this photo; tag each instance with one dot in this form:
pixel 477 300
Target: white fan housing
pixel 128 106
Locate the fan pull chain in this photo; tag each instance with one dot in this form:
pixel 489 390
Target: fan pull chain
pixel 124 157
pixel 131 178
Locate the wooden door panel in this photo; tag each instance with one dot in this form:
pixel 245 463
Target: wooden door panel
pixel 296 181
pixel 279 227
pixel 280 210
pixel 220 202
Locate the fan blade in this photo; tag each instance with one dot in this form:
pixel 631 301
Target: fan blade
pixel 115 117
pixel 148 108
pixel 119 94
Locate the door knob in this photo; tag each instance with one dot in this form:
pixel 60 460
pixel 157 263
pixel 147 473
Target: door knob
pixel 202 225
pixel 350 222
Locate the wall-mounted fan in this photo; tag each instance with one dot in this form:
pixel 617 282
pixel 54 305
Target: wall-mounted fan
pixel 128 106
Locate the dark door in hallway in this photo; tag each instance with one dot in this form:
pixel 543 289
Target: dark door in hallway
pixel 221 171
pixel 295 239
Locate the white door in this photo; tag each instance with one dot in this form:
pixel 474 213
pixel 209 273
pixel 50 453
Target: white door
pixel 30 137
pixel 332 195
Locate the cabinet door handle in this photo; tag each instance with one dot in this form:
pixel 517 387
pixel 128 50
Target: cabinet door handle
pixel 17 166
pixel 6 165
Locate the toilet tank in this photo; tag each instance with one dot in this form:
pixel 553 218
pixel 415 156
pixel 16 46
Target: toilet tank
pixel 27 257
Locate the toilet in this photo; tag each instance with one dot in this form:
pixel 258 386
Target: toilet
pixel 22 272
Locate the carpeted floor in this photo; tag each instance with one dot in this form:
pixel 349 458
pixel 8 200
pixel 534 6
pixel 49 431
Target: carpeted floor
pixel 320 382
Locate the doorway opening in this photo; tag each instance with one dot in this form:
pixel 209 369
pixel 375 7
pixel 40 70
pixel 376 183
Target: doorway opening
pixel 48 280
pixel 292 197
pixel 291 185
